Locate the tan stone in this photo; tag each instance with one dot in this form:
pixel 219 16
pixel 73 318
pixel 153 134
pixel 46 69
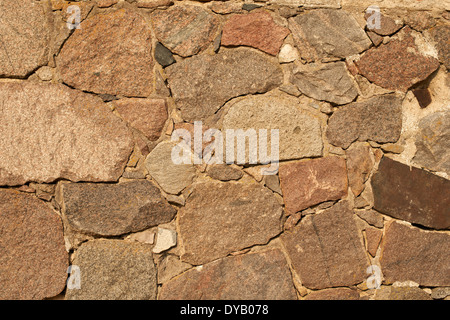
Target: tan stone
pixel 373 237
pixel 333 294
pixel 359 166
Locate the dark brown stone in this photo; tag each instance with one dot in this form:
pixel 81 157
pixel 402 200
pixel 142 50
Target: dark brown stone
pixel 423 96
pixel 411 194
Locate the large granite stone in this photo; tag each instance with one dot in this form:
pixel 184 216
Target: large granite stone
pixel 33 259
pixel 114 270
pixel 110 54
pixel 326 249
pixel 411 254
pixel 260 276
pixel 378 119
pixel 306 183
pixel 51 132
pixel 114 209
pixel 411 194
pixel 202 84
pixel 223 217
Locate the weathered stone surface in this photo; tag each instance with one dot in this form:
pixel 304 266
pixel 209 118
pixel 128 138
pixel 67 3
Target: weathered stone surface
pixel 114 209
pixel 49 131
pixel 334 294
pixel 218 214
pixel 409 253
pixel 185 30
pixel 111 53
pixel 299 130
pixel 257 30
pixel 326 249
pixel 288 53
pixel 330 82
pixel 373 238
pixel 114 270
pixel 146 115
pixel 310 182
pixel 377 119
pixel 260 276
pixel 433 142
pixel 440 292
pixel 327 35
pixel 420 20
pixel 33 259
pixel 170 266
pixel 423 97
pixel 202 84
pixel 224 172
pixel 163 55
pixel 171 177
pixel 387 25
pixel 398 64
pixel 401 293
pixel 371 217
pixel 25 34
pixel 441 36
pixel 165 239
pixel 359 166
pixel 405 193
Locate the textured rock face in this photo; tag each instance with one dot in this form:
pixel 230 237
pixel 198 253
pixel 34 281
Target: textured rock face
pixel 404 193
pixel 311 182
pixel 114 270
pixel 33 260
pixel 333 294
pixel 185 30
pixel 441 36
pixel 378 119
pixel 327 35
pixel 299 130
pixel 218 214
pixel 433 142
pixel 329 82
pixel 409 253
pixel 259 276
pixel 202 84
pixel 359 166
pixel 257 30
pixel 25 37
pixel 110 54
pixel 67 128
pixel 398 64
pixel 114 209
pixel 326 249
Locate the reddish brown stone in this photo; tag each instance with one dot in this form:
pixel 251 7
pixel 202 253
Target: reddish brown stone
pixel 111 53
pixel 373 237
pixel 411 254
pixel 441 36
pixel 423 97
pixel 420 20
pixel 398 64
pixel 411 194
pixel 388 25
pixel 260 276
pixel 146 115
pixel 359 165
pixel 310 182
pixel 326 249
pixel 33 259
pixel 257 30
pixel 334 294
pixel 185 30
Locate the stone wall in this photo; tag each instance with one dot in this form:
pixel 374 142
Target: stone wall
pixel 91 93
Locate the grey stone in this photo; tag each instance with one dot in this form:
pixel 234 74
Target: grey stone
pixel 163 55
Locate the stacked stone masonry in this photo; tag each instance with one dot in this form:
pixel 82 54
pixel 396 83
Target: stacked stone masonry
pixel 93 206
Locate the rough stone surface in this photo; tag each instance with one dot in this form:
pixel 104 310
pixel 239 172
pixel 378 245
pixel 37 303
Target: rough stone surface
pixel 257 30
pixel 441 36
pixel 114 209
pixel 401 293
pixel 326 249
pixel 111 53
pixel 334 294
pixel 359 166
pixel 377 119
pixel 404 193
pixel 185 30
pixel 224 172
pixel 433 142
pixel 202 84
pixel 146 115
pixel 171 177
pixel 330 82
pixel 165 239
pixel 288 53
pixel 387 25
pixel 327 35
pixel 25 36
pixel 217 215
pixel 440 293
pixel 170 266
pixel 299 129
pixel 371 217
pixel 398 64
pixel 310 182
pixel 259 276
pixel 373 238
pixel 420 20
pixel 163 55
pixel 114 270
pixel 409 253
pixel 68 127
pixel 33 259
